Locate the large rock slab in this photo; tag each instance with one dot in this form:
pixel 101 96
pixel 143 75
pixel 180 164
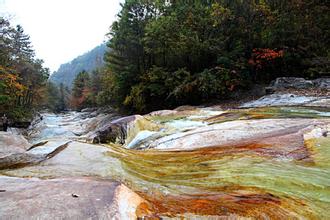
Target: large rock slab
pixel 12 143
pixel 74 198
pixel 76 159
pixel 241 133
pixel 35 154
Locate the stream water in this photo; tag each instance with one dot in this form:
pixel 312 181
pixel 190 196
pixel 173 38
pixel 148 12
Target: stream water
pixel 276 168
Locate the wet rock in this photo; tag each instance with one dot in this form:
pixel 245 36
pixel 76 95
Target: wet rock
pixel 238 133
pixel 53 199
pixel 121 130
pixel 115 131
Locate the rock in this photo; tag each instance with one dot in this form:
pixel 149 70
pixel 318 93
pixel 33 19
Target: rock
pixel 292 82
pixel 121 130
pixel 162 113
pixel 12 143
pixel 54 199
pixel 76 159
pixel 74 195
pixel 88 110
pixel 34 156
pixel 286 100
pixel 185 108
pixel 238 133
pixel 269 90
pixel 284 83
pixel 322 83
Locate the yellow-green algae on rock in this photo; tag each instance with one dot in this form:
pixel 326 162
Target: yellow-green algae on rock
pixel 265 179
pixel 238 182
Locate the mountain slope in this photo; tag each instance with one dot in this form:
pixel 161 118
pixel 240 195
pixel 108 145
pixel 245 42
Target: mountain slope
pixel 88 61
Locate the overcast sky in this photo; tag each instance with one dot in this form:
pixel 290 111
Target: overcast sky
pixel 60 30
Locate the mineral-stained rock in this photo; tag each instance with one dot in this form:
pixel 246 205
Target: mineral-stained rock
pixel 274 132
pixel 52 199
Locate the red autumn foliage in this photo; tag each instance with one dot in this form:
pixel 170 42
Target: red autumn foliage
pixel 264 56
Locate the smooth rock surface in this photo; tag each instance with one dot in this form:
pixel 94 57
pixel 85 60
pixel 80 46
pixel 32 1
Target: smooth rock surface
pixel 12 143
pixel 74 198
pixel 288 100
pixel 234 133
pixel 32 157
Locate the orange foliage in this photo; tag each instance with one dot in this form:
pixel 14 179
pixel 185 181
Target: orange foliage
pixel 11 81
pixel 263 56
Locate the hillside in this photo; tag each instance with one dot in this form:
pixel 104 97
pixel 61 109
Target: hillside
pixel 88 61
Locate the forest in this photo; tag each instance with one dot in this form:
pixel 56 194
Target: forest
pixel 23 79
pixel 190 52
pixel 162 54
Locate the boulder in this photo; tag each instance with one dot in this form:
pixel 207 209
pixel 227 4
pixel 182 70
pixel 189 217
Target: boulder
pixel 121 130
pixel 322 83
pixel 292 82
pixel 282 83
pixel 12 143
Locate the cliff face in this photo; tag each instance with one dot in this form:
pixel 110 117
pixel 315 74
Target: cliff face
pixel 88 62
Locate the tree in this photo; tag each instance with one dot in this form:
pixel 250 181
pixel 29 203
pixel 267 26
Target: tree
pixel 22 76
pixel 81 91
pixel 188 52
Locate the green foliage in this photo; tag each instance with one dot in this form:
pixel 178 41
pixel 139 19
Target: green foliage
pixel 165 54
pixel 22 76
pixel 57 97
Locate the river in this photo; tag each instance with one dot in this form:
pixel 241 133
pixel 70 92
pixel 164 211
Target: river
pixel 264 163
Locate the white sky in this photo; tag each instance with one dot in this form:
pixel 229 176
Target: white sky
pixel 60 30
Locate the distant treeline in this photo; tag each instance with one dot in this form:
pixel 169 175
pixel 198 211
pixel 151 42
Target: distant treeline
pixel 87 62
